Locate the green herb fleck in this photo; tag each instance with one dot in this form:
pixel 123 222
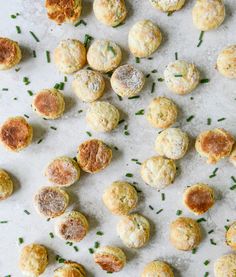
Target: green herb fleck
pixel 163 196
pixel 153 87
pixel 89 134
pixel 179 212
pixel 87 40
pixel 18 29
pixel 130 175
pixel 212 242
pixel 48 56
pixel 80 22
pixel 91 251
pixel 100 233
pixel 203 81
pixel 96 244
pixel 221 119
pixel 159 211
pixel 140 112
pixel 20 240
pixel 190 118
pixel 51 235
pixel 137 60
pixel 34 36
pixel 53 128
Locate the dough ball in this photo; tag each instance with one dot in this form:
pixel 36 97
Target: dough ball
pixel 101 116
pixel 63 171
pixel 185 233
pixel 157 269
pixel 64 10
pixel 120 198
pixel 10 53
pixel 144 38
pixel 110 258
pixel 172 143
pixel 162 112
pixel 134 230
pixel 208 14
pixel 158 172
pixel 72 226
pixel 214 144
pixel 70 269
pixel 16 133
pixel 226 62
pixel 6 185
pixel 88 85
pixel 199 198
pixel 110 12
pixel 94 155
pixel 104 55
pixel 127 81
pixel 70 56
pixel 225 266
pixel 230 236
pixel 168 5
pixel 33 260
pixel 181 77
pixel 232 157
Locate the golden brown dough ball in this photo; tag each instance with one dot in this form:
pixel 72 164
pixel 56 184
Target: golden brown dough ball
pixel 10 53
pixel 230 236
pixel 226 62
pixel 70 269
pixel 232 157
pixel 6 185
pixel 157 269
pixel 225 266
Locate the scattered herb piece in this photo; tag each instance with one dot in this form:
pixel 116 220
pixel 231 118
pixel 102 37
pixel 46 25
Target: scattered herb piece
pixel 212 242
pixel 194 250
pixel 233 187
pixel 202 219
pixel 130 175
pixel 65 79
pixel 87 40
pixel 25 115
pixel 153 87
pixel 160 79
pixel 203 81
pixel 34 36
pixel 3 222
pixel 118 25
pixel 206 262
pixel 39 141
pixel 221 119
pixel 80 22
pixel 208 121
pixel 176 56
pixel 48 56
pixel 134 97
pixel 126 133
pixel 159 211
pixel 99 233
pixel 148 75
pixel 140 112
pixel 91 251
pixel 190 118
pixel 178 75
pixel 61 86
pixel 226 227
pixel 163 196
pixel 211 231
pixel 18 29
pixel 233 178
pixel 20 240
pixel 151 207
pixel 214 173
pixel 119 97
pixel 89 134
pixel 206 274
pixel 34 54
pixel 27 212
pixel 121 121
pixel 96 244
pixel 137 60
pixel 80 111
pixel 76 248
pixel 154 71
pixel 53 128
pixel 51 235
pixel 30 92
pixel 179 212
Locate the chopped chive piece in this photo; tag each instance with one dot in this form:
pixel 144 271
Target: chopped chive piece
pixel 179 212
pixel 5 89
pixel 137 60
pixel 150 58
pixel 99 233
pixel 57 86
pixel 91 251
pixel 191 98
pixel 20 240
pixel 201 35
pixel 26 81
pixel 34 54
pixel 119 97
pixel 87 40
pixel 176 56
pixel 208 121
pixel 151 207
pixel 118 25
pixel 160 79
pixel 25 115
pixel 17 69
pixel 214 173
pixel 121 121
pixel 226 227
pixel 140 112
pixel 48 56
pixel 89 134
pixel 3 222
pixel 130 175
pixel 69 243
pixel 134 97
pixel 170 13
pixel 194 250
pixel 203 81
pixel 80 22
pixel 212 242
pixel 15 98
pixel 30 92
pixel 126 127
pixel 48 219
pixel 53 128
pixel 126 133
pixel 51 235
pixel 18 29
pixel 211 231
pixel 27 212
pixel 154 71
pixel 233 187
pixel 153 87
pixel 80 111
pixel 109 74
pixel 116 148
pixel 159 211
pixel 163 196
pixel 206 262
pixel 206 274
pixel 39 141
pixel 215 170
pixel 199 43
pixel 61 86
pixel 76 248
pixel 190 118
pixel 65 79
pixel 233 178
pixel 148 75
pixel 96 244
pixel 202 219
pixel 221 119
pixel 34 36
pixel 178 75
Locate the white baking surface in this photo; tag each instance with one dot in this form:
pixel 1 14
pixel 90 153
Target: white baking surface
pixel 214 100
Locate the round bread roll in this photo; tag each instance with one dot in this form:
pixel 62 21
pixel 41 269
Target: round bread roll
pixel 120 198
pixel 230 236
pixel 104 55
pixel 232 157
pixel 181 77
pixel 10 53
pixel 94 155
pixel 16 133
pixel 70 269
pixel 162 112
pixel 199 198
pixel 33 260
pixel 208 14
pixel 51 202
pixel 134 230
pixel 168 5
pixel 49 103
pixel 214 144
pixel 6 185
pixel 226 62
pixel 63 171
pixel 64 10
pixel 157 269
pixel 72 226
pixel 144 38
pixel 225 266
pixel 172 143
pixel 70 56
pixel 110 12
pixel 110 258
pixel 88 85
pixel 127 81
pixel 102 116
pixel 158 172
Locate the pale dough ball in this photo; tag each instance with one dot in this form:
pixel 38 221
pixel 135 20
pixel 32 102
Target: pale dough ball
pixel 110 12
pixel 208 14
pixel 134 230
pixel 10 53
pixel 158 172
pixel 104 55
pixel 6 185
pixel 127 81
pixel 181 77
pixel 70 269
pixel 232 157
pixel 88 85
pixel 226 62
pixel 144 38
pixel 162 112
pixel 185 233
pixel 225 266
pixel 172 143
pixel 230 236
pixel 102 116
pixel 168 5
pixel 70 56
pixel 157 269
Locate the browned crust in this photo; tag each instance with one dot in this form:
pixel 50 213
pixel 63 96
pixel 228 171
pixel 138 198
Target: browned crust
pixel 109 262
pixel 8 51
pixel 73 229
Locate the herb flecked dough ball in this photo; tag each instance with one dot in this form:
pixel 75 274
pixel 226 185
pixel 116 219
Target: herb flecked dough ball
pixel 167 5
pixel 225 266
pixel 70 269
pixel 157 269
pixel 10 53
pixel 6 185
pixel 226 62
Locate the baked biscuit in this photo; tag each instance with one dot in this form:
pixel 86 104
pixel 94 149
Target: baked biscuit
pixel 167 5
pixel 230 236
pixel 214 144
pixel 157 269
pixel 70 56
pixel 127 81
pixel 94 155
pixel 16 133
pixel 225 266
pixel 110 258
pixel 10 53
pixel 6 185
pixel 144 38
pixel 88 85
pixel 232 157
pixel 104 55
pixel 134 230
pixel 70 269
pixel 226 62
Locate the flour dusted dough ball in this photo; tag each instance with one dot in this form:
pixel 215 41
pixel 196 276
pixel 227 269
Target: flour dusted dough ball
pixel 214 144
pixel 6 185
pixel 172 143
pixel 104 55
pixel 16 133
pixel 70 56
pixel 168 5
pixel 144 38
pixel 102 116
pixel 158 172
pixel 157 269
pixel 110 12
pixel 88 85
pixel 185 233
pixel 127 81
pixel 70 269
pixel 110 258
pixel 162 112
pixel 226 62
pixel 181 77
pixel 230 236
pixel 225 266
pixel 33 260
pixel 208 14
pixel 10 53
pixel 134 230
